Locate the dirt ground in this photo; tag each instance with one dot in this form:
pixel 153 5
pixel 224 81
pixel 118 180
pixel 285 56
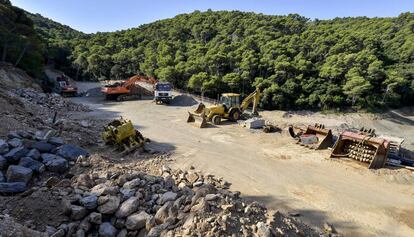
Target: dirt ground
pixel 271 169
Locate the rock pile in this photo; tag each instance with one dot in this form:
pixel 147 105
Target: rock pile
pixel 26 154
pixel 176 203
pixel 51 101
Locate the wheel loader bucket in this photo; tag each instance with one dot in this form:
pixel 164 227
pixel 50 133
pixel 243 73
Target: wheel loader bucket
pixel 315 137
pixel 362 147
pixel 198 119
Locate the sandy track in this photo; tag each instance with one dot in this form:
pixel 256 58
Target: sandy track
pixel 270 169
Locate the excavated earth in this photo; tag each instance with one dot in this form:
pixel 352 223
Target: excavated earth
pixel 101 193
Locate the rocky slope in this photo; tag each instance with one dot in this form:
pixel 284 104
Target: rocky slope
pixel 65 190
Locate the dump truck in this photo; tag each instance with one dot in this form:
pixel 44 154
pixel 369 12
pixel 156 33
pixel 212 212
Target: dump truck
pixel 163 92
pixel 314 136
pixel 134 88
pixel 122 134
pixel 228 108
pixel 362 146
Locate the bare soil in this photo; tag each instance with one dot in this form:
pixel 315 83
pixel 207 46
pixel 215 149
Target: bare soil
pixel 271 169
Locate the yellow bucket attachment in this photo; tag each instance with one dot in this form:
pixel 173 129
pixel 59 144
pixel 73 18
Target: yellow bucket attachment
pixel 362 147
pixel 198 116
pixel 199 120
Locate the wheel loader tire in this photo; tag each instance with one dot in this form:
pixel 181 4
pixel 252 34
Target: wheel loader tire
pixel 234 115
pixel 216 120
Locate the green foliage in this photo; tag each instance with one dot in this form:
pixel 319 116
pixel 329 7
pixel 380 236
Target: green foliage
pixel 297 63
pixel 19 43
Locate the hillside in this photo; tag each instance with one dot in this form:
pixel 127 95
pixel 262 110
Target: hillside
pixel 19 43
pixel 298 63
pixel 59 39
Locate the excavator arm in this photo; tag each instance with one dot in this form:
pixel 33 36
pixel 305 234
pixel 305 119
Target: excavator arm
pixel 252 98
pixel 131 81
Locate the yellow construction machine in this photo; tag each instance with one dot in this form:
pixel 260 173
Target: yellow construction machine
pixel 121 132
pixel 228 108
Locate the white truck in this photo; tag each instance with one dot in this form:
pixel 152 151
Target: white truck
pixel 163 92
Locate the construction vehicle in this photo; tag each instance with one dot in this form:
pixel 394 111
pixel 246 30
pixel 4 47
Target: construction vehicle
pixel 228 108
pixel 162 92
pixel 63 86
pixel 362 146
pixel 121 133
pixel 315 137
pixel 134 88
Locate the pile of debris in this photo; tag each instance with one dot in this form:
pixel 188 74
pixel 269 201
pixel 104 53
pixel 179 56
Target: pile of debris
pixel 51 101
pixel 175 203
pixel 26 154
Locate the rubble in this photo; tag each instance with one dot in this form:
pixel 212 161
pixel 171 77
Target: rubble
pixel 130 202
pixel 66 192
pixel 29 154
pixel 49 101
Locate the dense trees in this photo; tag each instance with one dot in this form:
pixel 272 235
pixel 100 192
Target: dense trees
pixel 297 62
pixel 19 43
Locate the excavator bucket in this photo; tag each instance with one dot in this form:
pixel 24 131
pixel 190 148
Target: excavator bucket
pixel 198 116
pixel 315 137
pixel 362 147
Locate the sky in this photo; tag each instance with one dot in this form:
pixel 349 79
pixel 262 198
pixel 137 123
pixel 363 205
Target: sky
pixel 91 16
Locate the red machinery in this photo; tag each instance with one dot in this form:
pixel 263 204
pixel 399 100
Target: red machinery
pixel 133 88
pixel 363 147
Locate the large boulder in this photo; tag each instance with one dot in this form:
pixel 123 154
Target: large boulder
pixel 54 163
pixel 137 221
pixel 4 147
pixel 13 134
pixel 56 141
pixel 84 180
pixel 104 189
pixel 106 229
pixel 34 154
pixel 162 213
pixel 3 163
pixel 77 212
pixel 17 173
pixel 15 187
pixel 14 155
pixel 15 142
pixel 168 196
pixel 108 204
pixel 128 207
pixel 71 152
pixel 42 146
pixel 132 184
pixel 95 218
pixel 34 165
pixel 89 202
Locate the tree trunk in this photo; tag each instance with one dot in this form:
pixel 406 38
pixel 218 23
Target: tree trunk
pixel 77 72
pixel 21 55
pixel 4 54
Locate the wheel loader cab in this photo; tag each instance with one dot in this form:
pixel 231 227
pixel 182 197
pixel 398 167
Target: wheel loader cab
pixel 230 100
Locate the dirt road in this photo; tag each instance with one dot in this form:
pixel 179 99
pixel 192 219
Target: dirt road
pixel 270 169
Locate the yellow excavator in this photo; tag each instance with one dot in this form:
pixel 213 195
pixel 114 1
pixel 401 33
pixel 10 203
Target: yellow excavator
pixel 228 108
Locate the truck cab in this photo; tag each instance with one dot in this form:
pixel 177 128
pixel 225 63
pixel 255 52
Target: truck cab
pixel 163 92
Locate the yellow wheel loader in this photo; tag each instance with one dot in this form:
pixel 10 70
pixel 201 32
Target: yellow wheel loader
pixel 228 108
pixel 121 133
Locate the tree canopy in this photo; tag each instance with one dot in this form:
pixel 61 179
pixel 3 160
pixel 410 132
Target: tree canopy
pixel 19 42
pixel 298 63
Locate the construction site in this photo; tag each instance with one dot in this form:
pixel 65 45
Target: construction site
pixel 160 162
